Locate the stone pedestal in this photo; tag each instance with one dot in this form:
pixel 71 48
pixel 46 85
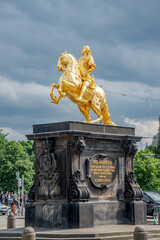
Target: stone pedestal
pixel 84 176
pixel 137 212
pixel 79 215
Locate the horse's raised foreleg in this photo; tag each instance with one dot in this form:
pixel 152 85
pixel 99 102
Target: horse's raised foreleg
pixel 51 92
pixel 85 111
pixel 54 98
pixel 56 101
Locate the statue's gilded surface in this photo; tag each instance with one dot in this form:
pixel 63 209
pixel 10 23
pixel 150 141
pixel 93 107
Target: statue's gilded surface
pixel 76 84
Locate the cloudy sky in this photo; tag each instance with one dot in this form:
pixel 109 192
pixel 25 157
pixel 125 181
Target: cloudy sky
pixel 124 37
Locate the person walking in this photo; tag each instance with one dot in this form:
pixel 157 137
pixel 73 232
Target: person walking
pixel 1 196
pixel 12 196
pixel 6 198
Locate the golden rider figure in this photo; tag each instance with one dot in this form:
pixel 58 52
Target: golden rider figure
pixel 76 84
pixel 87 65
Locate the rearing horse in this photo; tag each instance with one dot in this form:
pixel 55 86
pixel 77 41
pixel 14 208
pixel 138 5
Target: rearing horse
pixel 70 84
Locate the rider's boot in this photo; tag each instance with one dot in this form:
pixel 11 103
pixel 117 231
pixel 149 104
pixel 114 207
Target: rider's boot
pixel 80 98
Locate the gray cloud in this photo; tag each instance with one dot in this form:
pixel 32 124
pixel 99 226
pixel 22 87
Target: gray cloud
pixel 33 34
pixel 124 39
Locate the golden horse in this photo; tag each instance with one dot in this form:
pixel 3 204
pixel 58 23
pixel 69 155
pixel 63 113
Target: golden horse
pixel 70 84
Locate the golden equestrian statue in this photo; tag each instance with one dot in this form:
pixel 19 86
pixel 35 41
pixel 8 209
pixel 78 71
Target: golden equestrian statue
pixel 76 84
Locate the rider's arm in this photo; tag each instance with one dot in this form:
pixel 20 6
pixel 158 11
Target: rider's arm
pixel 91 69
pixel 91 65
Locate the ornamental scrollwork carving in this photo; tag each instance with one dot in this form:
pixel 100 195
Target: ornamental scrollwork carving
pixel 78 189
pixel 132 192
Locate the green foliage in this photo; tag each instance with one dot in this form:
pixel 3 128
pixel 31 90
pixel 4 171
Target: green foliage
pixel 147 169
pixel 28 148
pixel 158 146
pixel 15 156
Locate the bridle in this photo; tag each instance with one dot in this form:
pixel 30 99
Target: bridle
pixel 66 70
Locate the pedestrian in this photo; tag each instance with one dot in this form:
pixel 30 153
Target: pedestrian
pixel 6 198
pixel 9 198
pixel 14 206
pixel 15 196
pixel 12 196
pixel 1 196
pixel 25 199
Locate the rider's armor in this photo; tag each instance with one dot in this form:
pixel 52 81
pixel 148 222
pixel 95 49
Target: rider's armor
pixel 86 63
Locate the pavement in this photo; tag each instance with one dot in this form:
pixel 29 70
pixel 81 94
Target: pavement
pixel 86 231
pixel 101 229
pixel 19 222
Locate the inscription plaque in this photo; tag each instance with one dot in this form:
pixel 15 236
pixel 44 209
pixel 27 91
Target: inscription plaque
pixel 101 170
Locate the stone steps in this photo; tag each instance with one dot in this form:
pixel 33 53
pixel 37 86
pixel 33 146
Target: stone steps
pixel 123 237
pixel 128 235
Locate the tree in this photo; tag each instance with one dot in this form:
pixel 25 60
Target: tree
pixel 28 148
pixel 147 169
pixel 158 146
pixel 14 157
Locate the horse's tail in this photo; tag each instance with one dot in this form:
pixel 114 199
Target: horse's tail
pixel 106 115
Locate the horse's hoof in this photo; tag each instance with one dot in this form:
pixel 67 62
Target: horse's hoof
pixel 54 98
pixel 87 121
pixel 55 102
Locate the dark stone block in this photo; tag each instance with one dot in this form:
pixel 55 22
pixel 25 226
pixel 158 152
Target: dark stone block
pixel 136 212
pixel 110 212
pixel 79 215
pixel 45 215
pixel 80 126
pixel 140 212
pixel 30 214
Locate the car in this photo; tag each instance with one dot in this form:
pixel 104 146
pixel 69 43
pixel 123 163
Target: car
pixel 3 208
pixel 152 200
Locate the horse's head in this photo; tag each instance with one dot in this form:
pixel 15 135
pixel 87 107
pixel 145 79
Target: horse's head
pixel 62 61
pixel 69 62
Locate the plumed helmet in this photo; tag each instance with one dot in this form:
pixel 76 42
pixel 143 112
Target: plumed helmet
pixel 86 49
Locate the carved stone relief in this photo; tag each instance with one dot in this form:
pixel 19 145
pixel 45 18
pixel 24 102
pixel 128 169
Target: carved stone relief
pixel 47 169
pixel 130 148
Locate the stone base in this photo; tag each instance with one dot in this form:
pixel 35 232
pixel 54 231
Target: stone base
pixel 136 212
pixel 59 215
pixel 45 214
pixel 109 212
pixel 79 215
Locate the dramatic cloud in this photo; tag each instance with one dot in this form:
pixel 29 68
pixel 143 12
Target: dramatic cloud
pixel 29 103
pixel 144 129
pixel 12 134
pixel 124 38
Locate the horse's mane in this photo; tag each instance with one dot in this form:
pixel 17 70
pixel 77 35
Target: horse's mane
pixel 77 68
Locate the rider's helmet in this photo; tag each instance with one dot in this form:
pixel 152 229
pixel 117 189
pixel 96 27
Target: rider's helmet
pixel 86 49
